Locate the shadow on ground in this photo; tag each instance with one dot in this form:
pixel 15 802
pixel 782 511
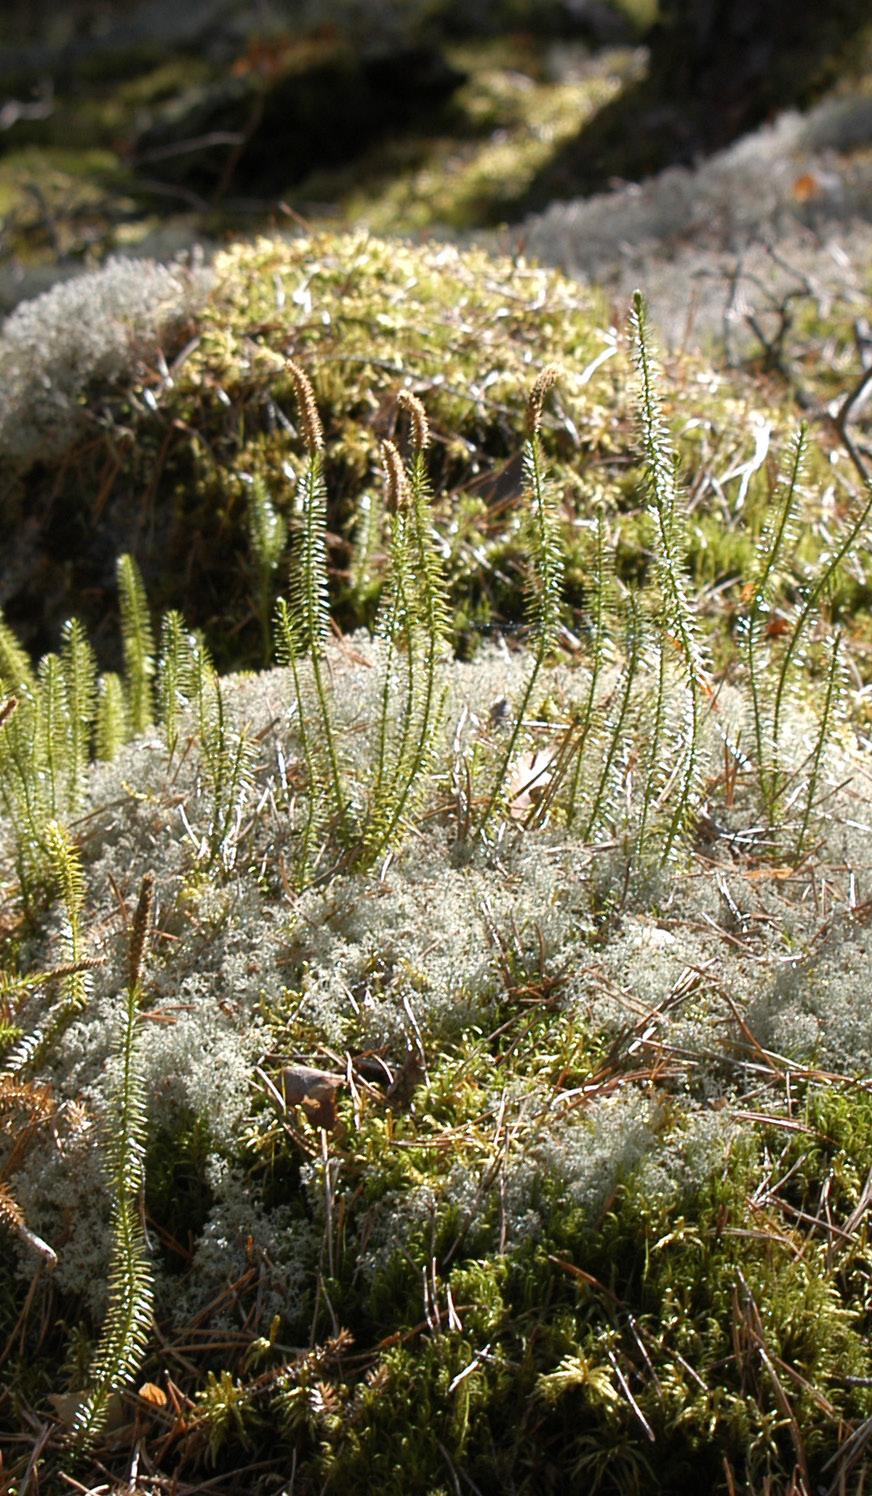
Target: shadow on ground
pixel 716 71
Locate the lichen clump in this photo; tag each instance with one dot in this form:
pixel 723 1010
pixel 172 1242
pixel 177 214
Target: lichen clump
pixel 579 1128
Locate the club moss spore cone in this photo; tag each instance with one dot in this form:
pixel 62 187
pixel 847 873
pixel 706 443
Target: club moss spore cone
pixel 420 426
pixel 397 494
pixel 310 420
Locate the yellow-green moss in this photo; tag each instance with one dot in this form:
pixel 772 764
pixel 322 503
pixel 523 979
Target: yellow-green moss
pixel 468 333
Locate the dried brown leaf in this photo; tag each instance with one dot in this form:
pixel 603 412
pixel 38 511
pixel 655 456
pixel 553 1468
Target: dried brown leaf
pixel 529 777
pixel 314 1091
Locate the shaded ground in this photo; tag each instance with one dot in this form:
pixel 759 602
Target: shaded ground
pixel 187 149
pixel 715 72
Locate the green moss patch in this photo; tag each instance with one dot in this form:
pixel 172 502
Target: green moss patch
pixel 163 470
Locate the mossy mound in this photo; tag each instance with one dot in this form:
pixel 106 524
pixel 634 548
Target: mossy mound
pixel 158 460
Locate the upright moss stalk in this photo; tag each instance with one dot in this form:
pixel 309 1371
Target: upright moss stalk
pixel 15 667
pixel 678 620
pixel 187 674
pixel 23 801
pixel 110 731
pixel 66 706
pixel 286 653
pixel 25 784
pixel 775 541
pixel 431 597
pixel 128 1320
pixel 544 585
pixel 138 642
pixel 396 626
pixel 833 691
pixel 415 621
pixel 616 734
pixel 80 680
pixel 52 729
pixel 814 593
pixel 308 618
pixel 656 766
pixel 227 758
pixel 174 675
pixel 770 678
pixel 64 871
pixel 602 617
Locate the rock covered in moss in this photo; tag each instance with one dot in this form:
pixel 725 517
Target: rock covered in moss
pixel 159 420
pixel 80 339
pixel 160 463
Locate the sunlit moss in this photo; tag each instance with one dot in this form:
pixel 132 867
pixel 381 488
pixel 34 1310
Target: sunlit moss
pixel 467 333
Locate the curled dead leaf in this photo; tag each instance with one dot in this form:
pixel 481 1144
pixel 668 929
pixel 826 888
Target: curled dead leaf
pixel 806 187
pixel 529 777
pixel 151 1393
pixel 313 1090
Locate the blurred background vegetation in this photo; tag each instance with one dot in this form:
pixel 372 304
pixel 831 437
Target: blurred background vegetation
pixel 146 127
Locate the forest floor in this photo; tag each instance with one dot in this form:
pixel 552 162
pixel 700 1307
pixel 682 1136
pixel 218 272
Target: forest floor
pixel 471 1094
